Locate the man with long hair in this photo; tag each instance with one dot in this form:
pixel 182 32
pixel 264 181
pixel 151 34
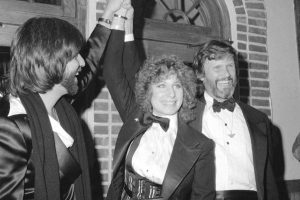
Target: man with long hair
pixel 43 152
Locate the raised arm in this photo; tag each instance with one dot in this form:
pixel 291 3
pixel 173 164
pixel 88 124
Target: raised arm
pixel 131 57
pixel 93 50
pixel 92 53
pixel 115 77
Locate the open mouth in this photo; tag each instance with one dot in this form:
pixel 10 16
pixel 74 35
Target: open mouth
pixel 227 82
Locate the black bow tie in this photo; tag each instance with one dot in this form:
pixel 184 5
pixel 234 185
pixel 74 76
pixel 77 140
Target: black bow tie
pixel 229 104
pixel 149 118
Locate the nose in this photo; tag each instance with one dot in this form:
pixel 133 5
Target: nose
pixel 226 72
pixel 171 92
pixel 80 61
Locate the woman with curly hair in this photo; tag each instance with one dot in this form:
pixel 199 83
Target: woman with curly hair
pixel 157 71
pixel 157 155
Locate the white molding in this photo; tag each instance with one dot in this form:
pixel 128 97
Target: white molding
pixel 91 16
pixel 233 21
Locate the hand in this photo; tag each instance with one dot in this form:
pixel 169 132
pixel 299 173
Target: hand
pixel 130 11
pixel 120 18
pixel 112 7
pixel 126 4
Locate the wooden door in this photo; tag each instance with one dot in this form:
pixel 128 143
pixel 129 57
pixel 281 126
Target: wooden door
pixel 16 12
pixel 178 26
pixel 13 13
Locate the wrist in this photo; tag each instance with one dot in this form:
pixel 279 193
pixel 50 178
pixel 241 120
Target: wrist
pixel 104 22
pixel 128 26
pixel 118 23
pixel 108 15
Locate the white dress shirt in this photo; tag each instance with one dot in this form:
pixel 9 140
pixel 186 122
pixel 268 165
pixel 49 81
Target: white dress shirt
pixel 233 151
pixel 152 156
pixel 16 107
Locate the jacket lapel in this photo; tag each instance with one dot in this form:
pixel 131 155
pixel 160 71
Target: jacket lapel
pixel 131 129
pixel 197 123
pixel 185 153
pixel 257 129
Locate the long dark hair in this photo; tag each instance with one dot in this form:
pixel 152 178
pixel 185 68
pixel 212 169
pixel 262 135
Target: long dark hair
pixel 40 51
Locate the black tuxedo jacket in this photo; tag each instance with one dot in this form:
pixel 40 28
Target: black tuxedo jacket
pixel 260 133
pixel 190 172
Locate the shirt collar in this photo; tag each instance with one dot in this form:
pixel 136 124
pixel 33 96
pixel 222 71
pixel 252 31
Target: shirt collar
pixel 208 99
pixel 173 126
pixel 16 107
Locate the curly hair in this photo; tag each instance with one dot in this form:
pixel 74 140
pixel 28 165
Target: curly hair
pixel 155 70
pixel 40 51
pixel 212 50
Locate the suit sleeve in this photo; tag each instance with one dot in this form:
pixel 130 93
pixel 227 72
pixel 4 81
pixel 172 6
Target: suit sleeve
pixel 13 161
pixel 115 77
pixel 92 53
pixel 131 62
pixel 203 187
pixel 271 184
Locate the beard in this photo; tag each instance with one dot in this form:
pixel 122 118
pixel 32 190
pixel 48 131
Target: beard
pixel 218 91
pixel 225 92
pixel 70 83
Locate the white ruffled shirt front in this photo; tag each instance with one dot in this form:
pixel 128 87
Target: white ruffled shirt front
pixel 233 150
pixel 16 107
pixel 153 154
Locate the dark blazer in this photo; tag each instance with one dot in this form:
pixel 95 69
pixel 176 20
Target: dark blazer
pixel 16 166
pixel 260 134
pixel 190 172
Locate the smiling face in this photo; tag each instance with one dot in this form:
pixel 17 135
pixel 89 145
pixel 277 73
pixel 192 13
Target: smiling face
pixel 219 77
pixel 72 69
pixel 166 96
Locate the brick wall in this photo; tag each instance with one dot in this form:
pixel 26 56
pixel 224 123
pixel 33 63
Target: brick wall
pixel 253 56
pixel 254 78
pixel 107 124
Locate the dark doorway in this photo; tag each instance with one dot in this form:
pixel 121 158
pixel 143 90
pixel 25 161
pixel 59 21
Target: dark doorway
pixel 4 68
